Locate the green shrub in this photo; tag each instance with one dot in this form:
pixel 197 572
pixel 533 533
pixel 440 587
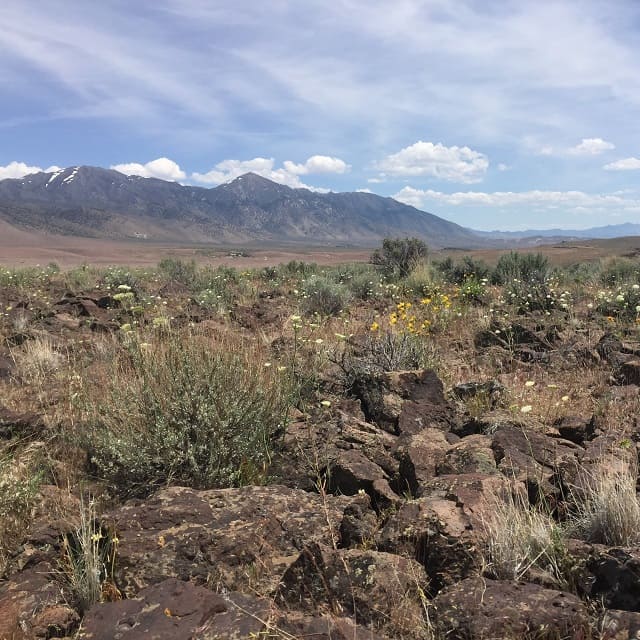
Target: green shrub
pixel 619 271
pixel 184 412
pixel 525 267
pixel 399 256
pixel 467 268
pixel 423 280
pixel 179 270
pixel 324 297
pixel 375 353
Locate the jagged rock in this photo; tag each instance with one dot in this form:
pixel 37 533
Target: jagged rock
pixel 176 610
pixel 620 625
pixel 439 535
pixel 533 457
pixel 19 425
pixel 483 608
pixel 405 402
pixel 419 456
pixel 352 472
pixel 473 454
pixel 310 448
pixel 474 493
pixel 615 577
pixel 359 523
pixel 576 429
pixel 7 365
pixel 326 628
pixel 629 372
pixel 34 591
pixel 232 537
pixel 375 587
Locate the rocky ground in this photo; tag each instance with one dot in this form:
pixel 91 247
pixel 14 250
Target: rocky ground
pixel 458 499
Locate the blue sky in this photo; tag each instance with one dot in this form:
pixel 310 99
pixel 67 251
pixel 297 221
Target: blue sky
pixel 490 113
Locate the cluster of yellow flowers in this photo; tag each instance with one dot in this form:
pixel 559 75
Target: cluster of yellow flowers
pixel 418 318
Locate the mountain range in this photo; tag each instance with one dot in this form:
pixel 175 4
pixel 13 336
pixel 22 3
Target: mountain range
pixel 101 203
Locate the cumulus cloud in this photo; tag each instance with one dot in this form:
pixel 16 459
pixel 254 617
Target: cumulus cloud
pixel 228 170
pixel 591 147
pixel 454 164
pixel 317 164
pixel 569 200
pixel 161 168
pixel 20 169
pixel 626 164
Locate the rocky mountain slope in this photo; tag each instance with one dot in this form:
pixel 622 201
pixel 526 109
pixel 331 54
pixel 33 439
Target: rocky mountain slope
pixel 95 202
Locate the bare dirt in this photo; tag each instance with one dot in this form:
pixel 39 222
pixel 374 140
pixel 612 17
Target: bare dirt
pixel 20 247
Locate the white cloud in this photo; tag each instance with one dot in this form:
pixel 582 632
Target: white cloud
pixel 626 164
pixel 586 147
pixel 503 167
pixel 161 168
pixel 454 164
pixel 591 147
pixel 20 169
pixel 364 191
pixel 568 200
pixel 317 164
pixel 228 170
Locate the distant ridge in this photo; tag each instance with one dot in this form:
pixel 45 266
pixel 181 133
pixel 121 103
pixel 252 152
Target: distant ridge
pixel 101 203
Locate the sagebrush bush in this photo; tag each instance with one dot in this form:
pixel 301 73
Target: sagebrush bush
pixel 399 256
pixel 184 412
pixel 525 267
pixel 374 354
pixel 423 280
pixel 459 272
pixel 179 270
pixel 617 271
pixel 324 297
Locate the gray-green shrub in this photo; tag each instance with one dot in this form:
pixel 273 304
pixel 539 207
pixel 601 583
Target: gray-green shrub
pixel 183 412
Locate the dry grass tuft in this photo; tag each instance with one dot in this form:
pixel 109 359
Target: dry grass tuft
pixel 520 538
pixel 607 508
pixel 37 359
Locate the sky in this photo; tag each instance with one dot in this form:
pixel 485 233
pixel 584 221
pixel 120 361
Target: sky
pixel 494 114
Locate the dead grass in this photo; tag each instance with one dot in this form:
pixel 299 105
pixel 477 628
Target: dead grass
pixel 38 358
pixel 607 509
pixel 521 538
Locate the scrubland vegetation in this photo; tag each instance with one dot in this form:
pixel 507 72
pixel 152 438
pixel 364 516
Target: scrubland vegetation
pixel 118 382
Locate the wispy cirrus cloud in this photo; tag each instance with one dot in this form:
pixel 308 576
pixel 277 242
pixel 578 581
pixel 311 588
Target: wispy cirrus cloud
pixel 541 199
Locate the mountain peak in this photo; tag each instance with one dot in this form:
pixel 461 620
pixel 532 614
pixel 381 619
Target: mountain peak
pixel 91 201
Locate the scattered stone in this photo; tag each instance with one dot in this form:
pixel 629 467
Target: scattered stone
pixel 231 537
pixel 176 610
pixel 374 586
pixel 483 608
